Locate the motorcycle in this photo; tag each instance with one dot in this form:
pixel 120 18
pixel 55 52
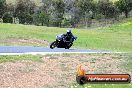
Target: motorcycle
pixel 62 43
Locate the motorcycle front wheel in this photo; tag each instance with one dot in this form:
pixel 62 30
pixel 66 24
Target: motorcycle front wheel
pixel 53 45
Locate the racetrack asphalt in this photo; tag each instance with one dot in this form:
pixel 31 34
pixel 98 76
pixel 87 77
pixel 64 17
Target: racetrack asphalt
pixel 16 50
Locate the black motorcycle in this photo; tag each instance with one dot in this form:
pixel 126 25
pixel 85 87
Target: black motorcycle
pixel 61 42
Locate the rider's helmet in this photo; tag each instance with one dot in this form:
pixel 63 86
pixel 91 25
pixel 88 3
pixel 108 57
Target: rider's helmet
pixel 69 32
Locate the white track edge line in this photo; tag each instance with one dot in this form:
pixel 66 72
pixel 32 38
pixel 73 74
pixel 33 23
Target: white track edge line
pixel 44 53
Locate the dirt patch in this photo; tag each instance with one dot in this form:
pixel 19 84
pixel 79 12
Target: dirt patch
pixel 56 71
pixel 24 41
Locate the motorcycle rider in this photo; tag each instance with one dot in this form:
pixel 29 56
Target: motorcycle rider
pixel 63 40
pixel 68 36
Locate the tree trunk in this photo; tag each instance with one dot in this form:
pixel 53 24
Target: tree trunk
pixel 42 23
pixel 126 14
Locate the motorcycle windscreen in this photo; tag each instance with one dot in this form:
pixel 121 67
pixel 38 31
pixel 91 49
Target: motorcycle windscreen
pixel 60 37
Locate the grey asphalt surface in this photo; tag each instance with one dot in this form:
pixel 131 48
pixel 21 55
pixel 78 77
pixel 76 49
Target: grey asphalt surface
pixel 28 49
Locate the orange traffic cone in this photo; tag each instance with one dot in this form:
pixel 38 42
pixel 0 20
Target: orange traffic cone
pixel 80 71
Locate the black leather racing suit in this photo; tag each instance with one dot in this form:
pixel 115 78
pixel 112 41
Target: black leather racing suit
pixel 68 37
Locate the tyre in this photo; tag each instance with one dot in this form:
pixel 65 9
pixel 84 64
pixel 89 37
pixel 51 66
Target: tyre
pixel 81 80
pixel 53 45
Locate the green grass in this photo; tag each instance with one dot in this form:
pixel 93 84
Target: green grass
pixel 103 86
pixel 115 38
pixel 21 57
pixel 122 26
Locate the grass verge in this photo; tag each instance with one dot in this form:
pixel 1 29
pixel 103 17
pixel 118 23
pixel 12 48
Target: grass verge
pixel 116 38
pixel 21 57
pixel 103 86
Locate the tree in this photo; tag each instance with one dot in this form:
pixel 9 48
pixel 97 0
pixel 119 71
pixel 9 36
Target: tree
pixel 7 17
pixel 42 18
pixel 10 9
pixel 85 5
pixel 72 13
pixel 42 13
pixel 86 9
pixel 107 9
pixel 24 11
pixel 59 8
pixel 124 6
pixel 2 7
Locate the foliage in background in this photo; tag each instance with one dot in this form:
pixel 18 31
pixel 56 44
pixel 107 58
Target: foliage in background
pixel 107 9
pixel 65 13
pixel 124 6
pixel 7 17
pixel 24 11
pixel 2 7
pixel 118 37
